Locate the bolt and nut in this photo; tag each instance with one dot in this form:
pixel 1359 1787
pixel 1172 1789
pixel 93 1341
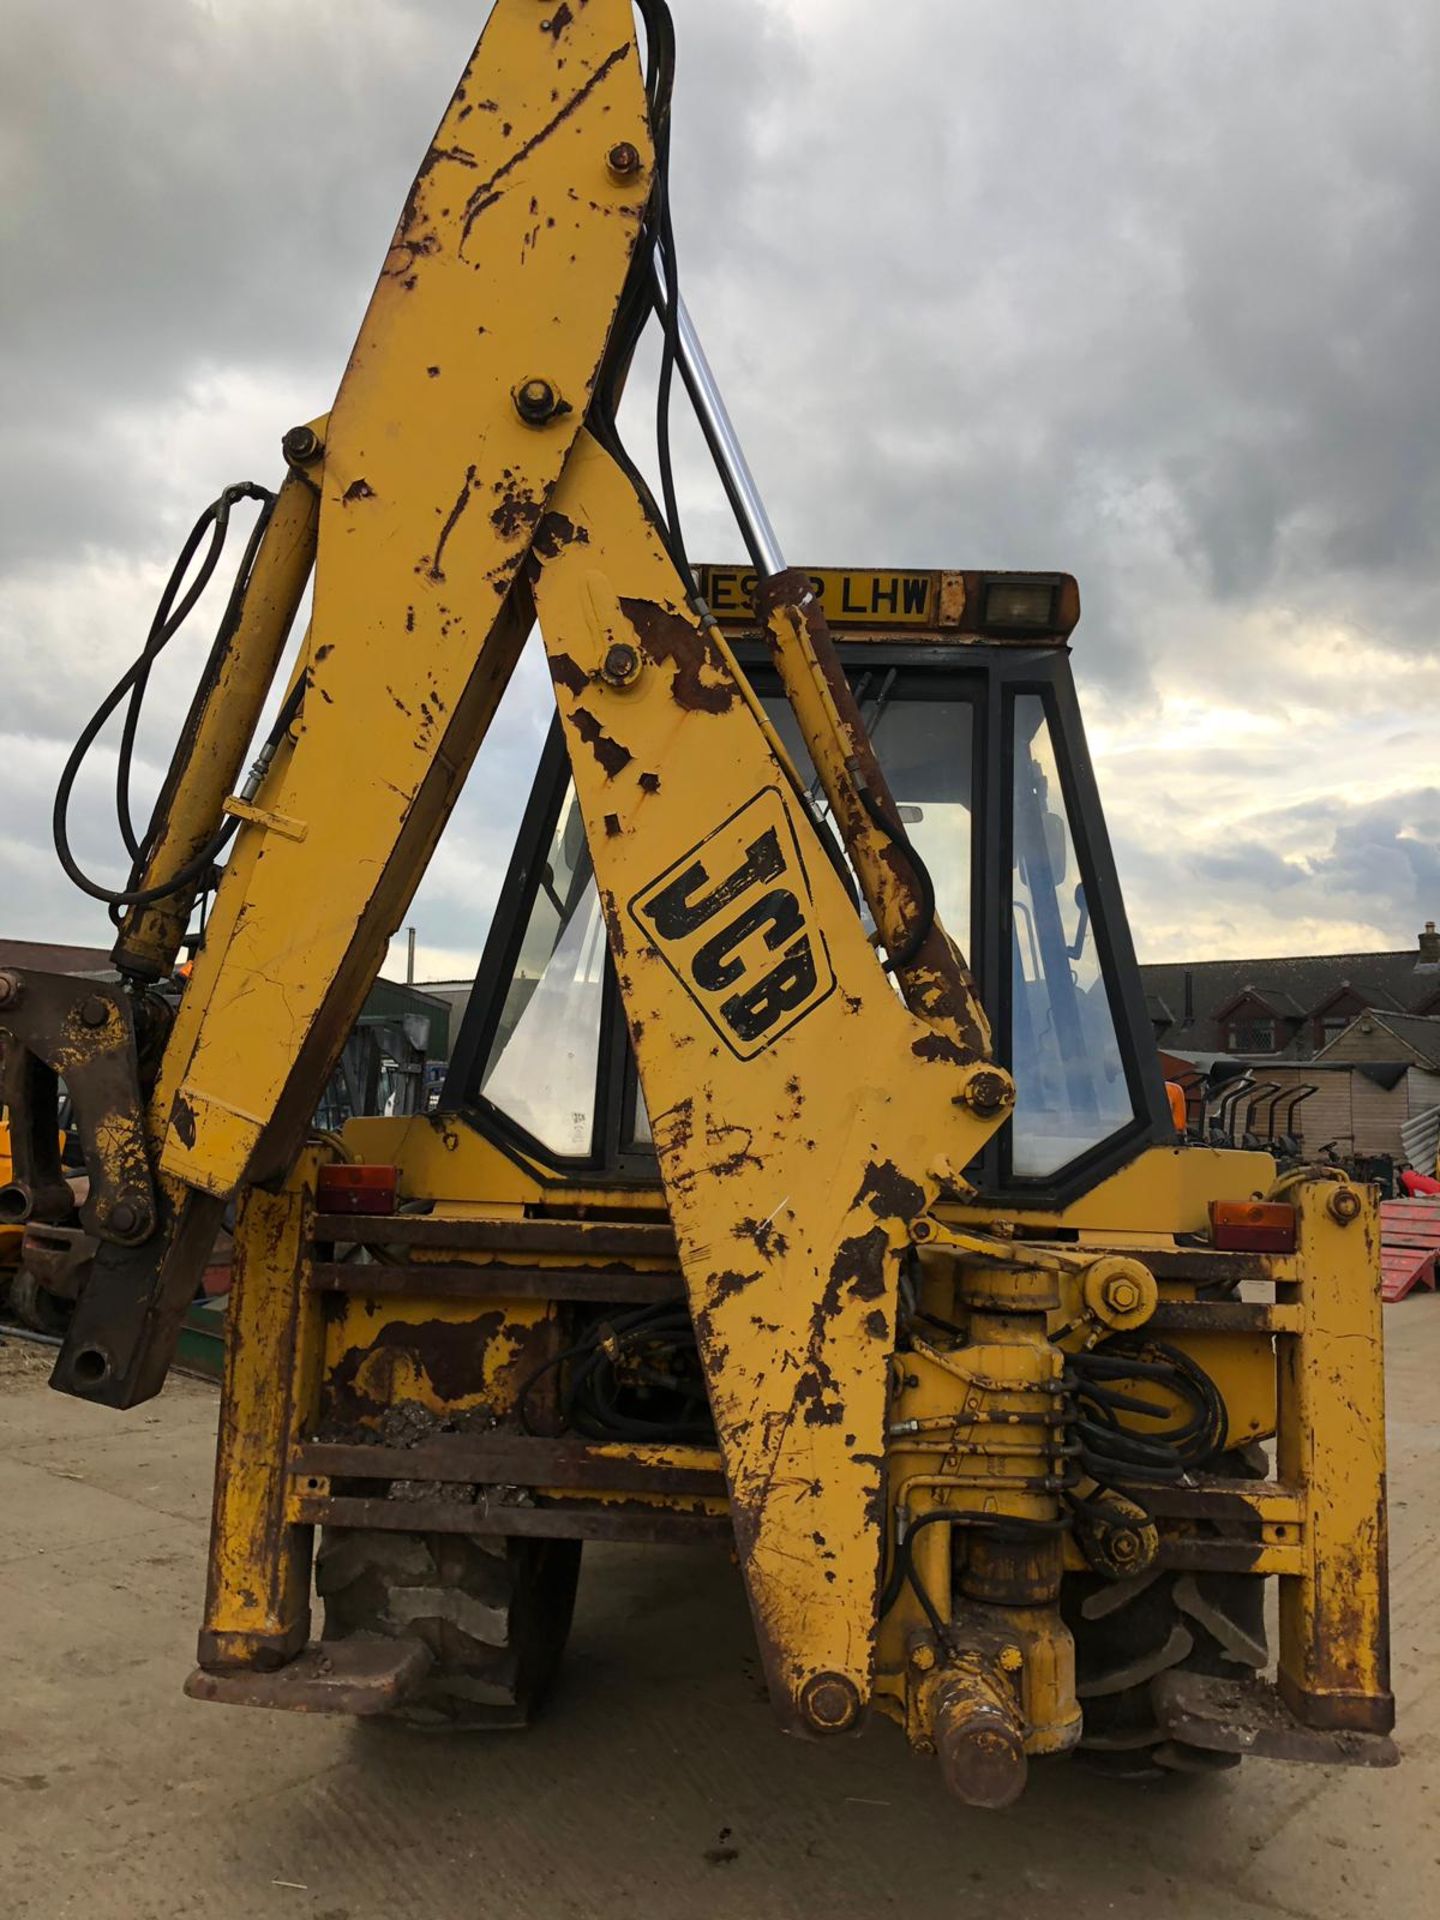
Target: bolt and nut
pixel 301 445
pixel 128 1217
pixel 989 1092
pixel 830 1703
pixel 1345 1205
pixel 621 665
pixel 536 401
pixel 623 160
pixel 1119 1292
pixel 1122 1294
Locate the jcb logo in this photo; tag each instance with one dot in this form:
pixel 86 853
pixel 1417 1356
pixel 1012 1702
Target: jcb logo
pixel 733 920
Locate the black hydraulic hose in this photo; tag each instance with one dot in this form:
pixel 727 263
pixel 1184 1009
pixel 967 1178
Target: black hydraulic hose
pixel 173 609
pixel 1113 1455
pixel 166 624
pixel 587 1401
pixel 1000 1525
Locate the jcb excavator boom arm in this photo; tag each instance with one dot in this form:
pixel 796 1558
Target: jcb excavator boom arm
pixel 804 1118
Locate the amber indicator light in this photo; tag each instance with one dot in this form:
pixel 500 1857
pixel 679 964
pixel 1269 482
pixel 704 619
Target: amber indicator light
pixel 1252 1226
pixel 357 1189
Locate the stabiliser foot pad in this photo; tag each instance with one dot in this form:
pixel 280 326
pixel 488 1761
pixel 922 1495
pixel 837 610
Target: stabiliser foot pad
pixel 365 1674
pixel 1248 1716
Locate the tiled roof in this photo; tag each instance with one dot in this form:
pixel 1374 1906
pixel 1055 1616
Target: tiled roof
pixel 1295 986
pixel 1274 999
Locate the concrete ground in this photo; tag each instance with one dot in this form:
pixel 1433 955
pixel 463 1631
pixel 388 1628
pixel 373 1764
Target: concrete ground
pixel 657 1785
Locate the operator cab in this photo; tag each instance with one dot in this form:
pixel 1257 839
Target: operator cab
pixel 965 686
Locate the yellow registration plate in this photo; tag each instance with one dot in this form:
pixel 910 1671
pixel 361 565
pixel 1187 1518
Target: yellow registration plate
pixel 849 596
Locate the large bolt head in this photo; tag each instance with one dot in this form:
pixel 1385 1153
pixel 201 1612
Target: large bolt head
pixel 301 445
pixel 1345 1205
pixel 990 1092
pixel 1119 1292
pixel 622 665
pixel 94 1011
pixel 536 401
pixel 1125 1547
pixel 830 1703
pixel 128 1217
pixel 623 160
pixel 1121 1295
pixel 11 989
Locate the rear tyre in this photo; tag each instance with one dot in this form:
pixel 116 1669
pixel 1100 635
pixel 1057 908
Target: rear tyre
pixel 495 1614
pixel 34 1305
pixel 1127 1633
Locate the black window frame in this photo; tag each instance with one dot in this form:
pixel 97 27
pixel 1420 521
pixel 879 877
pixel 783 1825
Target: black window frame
pixel 461 1092
pixel 992 678
pixel 1046 674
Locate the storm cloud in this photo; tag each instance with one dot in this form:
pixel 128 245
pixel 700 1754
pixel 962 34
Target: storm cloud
pixel 1147 293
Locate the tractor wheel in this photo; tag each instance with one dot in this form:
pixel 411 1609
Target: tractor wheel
pixel 34 1305
pixel 495 1614
pixel 1129 1632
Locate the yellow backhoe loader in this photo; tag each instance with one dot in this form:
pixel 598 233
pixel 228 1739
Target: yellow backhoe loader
pixel 750 1210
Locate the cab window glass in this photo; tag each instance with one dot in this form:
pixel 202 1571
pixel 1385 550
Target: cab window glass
pixel 543 1063
pixel 1070 1086
pixel 925 748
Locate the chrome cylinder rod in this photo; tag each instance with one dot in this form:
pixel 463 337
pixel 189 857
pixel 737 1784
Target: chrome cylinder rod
pixel 720 435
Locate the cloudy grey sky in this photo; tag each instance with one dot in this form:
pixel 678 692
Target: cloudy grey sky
pixel 1149 292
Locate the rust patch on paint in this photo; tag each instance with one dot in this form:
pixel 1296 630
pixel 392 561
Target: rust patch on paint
pixel 935 1046
pixel 765 1235
pixel 734 1158
pixel 568 673
pixel 725 1286
pixel 182 1119
pixel 555 532
pixel 516 514
pixel 889 1193
pixel 702 681
pixel 612 756
pixel 451 1353
pixel 462 500
pixel 675 1127
pixel 859 1264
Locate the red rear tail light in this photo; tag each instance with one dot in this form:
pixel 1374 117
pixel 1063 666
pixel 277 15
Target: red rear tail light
pixel 1252 1226
pixel 357 1189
